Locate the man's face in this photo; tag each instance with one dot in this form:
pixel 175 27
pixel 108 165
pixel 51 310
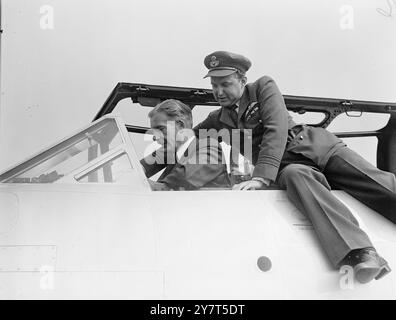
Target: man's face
pixel 228 90
pixel 164 129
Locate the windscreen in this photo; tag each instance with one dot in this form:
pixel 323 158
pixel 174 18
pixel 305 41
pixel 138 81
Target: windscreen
pixel 68 156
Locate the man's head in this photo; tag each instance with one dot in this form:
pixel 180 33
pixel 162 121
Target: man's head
pixel 227 73
pixel 228 90
pixel 171 122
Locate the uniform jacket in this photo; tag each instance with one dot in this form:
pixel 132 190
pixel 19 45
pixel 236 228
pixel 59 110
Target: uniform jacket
pixel 201 166
pixel 262 109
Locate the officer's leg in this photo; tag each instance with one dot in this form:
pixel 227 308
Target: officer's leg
pixel 348 171
pixel 336 227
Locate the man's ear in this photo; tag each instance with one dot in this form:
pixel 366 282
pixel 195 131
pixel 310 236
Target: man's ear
pixel 181 124
pixel 244 80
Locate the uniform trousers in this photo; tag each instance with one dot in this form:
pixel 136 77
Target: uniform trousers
pixel 308 188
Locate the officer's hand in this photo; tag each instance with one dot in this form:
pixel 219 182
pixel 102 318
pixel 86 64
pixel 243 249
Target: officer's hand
pixel 249 185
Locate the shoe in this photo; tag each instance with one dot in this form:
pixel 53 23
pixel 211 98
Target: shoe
pixel 384 270
pixel 367 264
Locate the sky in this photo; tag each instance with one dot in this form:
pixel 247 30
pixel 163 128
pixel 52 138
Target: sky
pixel 61 59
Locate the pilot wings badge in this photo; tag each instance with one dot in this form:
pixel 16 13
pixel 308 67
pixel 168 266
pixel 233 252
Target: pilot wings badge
pixel 251 110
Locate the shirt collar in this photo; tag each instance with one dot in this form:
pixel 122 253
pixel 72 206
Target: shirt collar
pixel 237 105
pixel 180 151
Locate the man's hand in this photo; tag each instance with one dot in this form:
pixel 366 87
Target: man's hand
pixel 250 185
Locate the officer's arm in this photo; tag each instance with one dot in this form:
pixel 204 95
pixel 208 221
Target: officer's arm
pixel 274 117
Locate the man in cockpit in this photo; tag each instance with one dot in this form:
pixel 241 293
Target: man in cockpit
pixel 189 163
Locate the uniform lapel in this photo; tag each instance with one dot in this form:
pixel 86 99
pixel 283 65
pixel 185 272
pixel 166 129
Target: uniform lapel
pixel 243 104
pixel 226 118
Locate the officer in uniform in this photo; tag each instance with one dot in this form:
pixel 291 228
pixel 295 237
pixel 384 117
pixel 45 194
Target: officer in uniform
pixel 306 161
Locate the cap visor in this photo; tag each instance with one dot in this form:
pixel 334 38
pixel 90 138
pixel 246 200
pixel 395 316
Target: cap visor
pixel 220 73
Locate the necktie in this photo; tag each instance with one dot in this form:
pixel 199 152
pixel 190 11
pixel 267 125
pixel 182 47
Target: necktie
pixel 234 153
pixel 234 114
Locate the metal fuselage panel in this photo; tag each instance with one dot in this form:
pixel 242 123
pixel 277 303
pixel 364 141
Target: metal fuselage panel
pixel 103 241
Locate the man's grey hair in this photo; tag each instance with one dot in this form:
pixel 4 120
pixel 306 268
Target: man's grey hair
pixel 174 109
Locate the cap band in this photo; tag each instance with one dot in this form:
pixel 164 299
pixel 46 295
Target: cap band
pixel 221 72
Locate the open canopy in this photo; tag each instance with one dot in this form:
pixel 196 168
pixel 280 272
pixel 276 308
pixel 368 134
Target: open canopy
pixel 149 95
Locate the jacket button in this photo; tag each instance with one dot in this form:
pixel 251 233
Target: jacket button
pixel 301 138
pixel 260 121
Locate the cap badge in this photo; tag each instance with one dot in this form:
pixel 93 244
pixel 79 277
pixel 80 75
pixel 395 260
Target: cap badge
pixel 214 62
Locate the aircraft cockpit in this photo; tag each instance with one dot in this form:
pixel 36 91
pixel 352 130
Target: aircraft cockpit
pixel 109 149
pixel 357 123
